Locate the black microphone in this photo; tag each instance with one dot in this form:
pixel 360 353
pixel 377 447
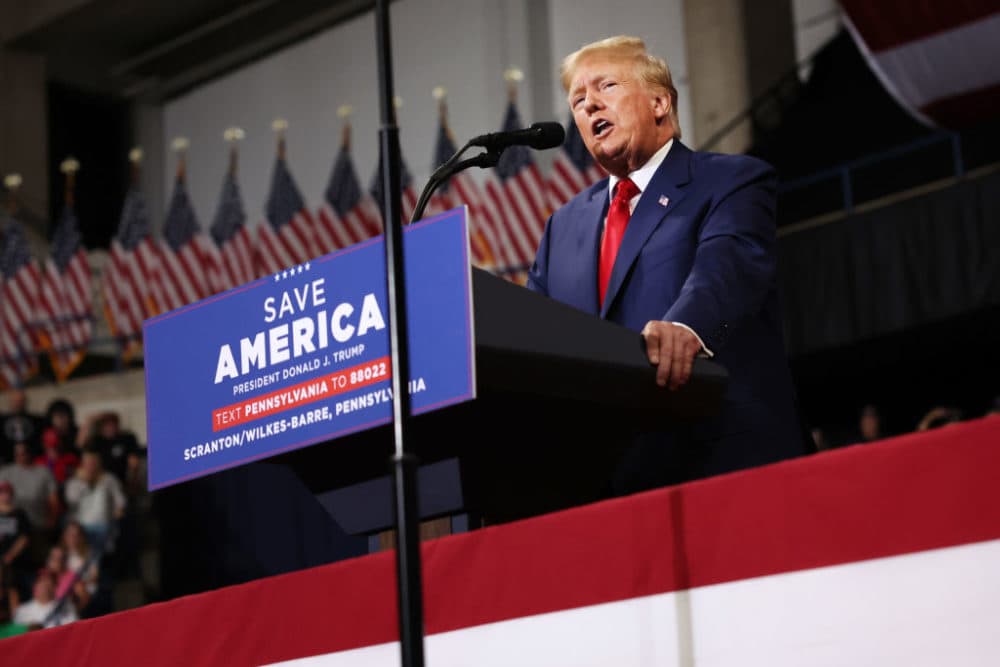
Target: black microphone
pixel 539 136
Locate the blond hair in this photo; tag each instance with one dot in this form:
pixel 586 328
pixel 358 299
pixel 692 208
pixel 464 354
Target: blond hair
pixel 652 70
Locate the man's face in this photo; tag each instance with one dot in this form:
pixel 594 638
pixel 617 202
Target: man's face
pixel 90 464
pixel 622 121
pixel 17 400
pixel 870 425
pixel 44 589
pixel 109 428
pixel 22 456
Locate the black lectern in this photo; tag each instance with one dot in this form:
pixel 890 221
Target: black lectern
pixel 560 394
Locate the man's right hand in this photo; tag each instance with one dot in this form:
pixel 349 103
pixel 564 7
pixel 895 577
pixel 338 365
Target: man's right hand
pixel 672 349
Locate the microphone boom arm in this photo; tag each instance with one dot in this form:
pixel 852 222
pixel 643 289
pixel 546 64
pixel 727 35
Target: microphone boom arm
pixel 483 160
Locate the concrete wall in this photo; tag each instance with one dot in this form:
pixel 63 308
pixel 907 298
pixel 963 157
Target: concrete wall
pixel 24 128
pixel 464 45
pixel 124 393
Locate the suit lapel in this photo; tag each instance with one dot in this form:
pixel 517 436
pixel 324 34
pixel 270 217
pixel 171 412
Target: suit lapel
pixel 649 213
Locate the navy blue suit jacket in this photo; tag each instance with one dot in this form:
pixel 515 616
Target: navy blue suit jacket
pixel 699 249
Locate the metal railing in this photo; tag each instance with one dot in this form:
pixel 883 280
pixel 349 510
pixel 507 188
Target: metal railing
pixel 844 173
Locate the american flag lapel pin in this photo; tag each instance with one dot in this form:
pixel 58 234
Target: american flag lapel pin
pixel 664 200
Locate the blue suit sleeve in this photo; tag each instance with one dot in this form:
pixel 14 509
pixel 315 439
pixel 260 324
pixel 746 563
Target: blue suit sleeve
pixel 735 261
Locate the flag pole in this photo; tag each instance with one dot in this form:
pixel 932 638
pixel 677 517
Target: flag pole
pixel 12 182
pixel 408 574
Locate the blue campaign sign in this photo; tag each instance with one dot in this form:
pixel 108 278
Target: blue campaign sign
pixel 302 356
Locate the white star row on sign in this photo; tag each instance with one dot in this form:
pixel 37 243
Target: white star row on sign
pixel 288 273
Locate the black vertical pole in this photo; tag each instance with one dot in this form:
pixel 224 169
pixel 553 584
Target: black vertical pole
pixel 408 575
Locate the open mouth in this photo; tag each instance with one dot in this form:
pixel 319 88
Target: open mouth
pixel 600 128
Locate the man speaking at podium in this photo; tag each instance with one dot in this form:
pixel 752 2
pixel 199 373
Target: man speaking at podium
pixel 680 246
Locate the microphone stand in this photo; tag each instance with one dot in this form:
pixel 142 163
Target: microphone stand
pixel 408 574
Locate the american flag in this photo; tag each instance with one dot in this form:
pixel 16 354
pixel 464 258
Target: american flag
pixel 285 238
pixel 234 259
pixel 66 302
pixel 573 169
pixel 348 215
pixel 408 196
pixel 130 271
pixel 182 273
pixel 517 191
pixel 461 189
pixel 18 305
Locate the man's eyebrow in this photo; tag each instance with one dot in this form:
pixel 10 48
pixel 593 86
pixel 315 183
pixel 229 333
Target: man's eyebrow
pixel 597 78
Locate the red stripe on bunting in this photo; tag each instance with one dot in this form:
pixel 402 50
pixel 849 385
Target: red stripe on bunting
pixel 890 23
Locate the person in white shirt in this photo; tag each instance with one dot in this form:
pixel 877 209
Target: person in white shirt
pixel 43 609
pixel 95 500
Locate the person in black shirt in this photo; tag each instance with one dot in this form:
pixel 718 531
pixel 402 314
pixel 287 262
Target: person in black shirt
pixel 15 532
pixel 106 437
pixel 18 425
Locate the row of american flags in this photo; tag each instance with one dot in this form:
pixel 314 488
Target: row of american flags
pixel 48 306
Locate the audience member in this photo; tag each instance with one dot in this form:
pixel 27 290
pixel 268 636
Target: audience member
pixel 59 459
pixel 18 425
pixel 68 583
pixel 43 609
pixel 61 418
pixel 95 499
pixel 35 489
pixel 869 426
pixel 940 415
pixel 10 600
pixel 80 558
pixel 103 433
pixel 819 439
pixel 994 407
pixel 15 537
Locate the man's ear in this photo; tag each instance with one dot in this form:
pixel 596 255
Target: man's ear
pixel 661 105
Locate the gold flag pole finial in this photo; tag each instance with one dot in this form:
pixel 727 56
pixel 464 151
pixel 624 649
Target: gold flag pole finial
pixel 233 136
pixel 135 160
pixel 344 112
pixel 180 146
pixel 440 93
pixel 513 76
pixel 12 182
pixel 279 125
pixel 70 166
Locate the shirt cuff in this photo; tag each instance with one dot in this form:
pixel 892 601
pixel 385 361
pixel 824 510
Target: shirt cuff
pixel 705 352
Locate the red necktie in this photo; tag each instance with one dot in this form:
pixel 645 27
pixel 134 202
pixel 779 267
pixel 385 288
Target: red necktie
pixel 614 230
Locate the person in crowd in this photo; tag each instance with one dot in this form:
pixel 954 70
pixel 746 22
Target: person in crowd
pixel 18 425
pixel 80 558
pixel 820 439
pixel 43 610
pixel 60 416
pixel 95 499
pixel 10 599
pixel 15 537
pixel 59 459
pixel 68 582
pixel 680 246
pixel 103 433
pixel 870 426
pixel 35 488
pixel 939 415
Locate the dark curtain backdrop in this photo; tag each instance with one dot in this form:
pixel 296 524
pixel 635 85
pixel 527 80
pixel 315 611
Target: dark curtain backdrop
pixel 918 261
